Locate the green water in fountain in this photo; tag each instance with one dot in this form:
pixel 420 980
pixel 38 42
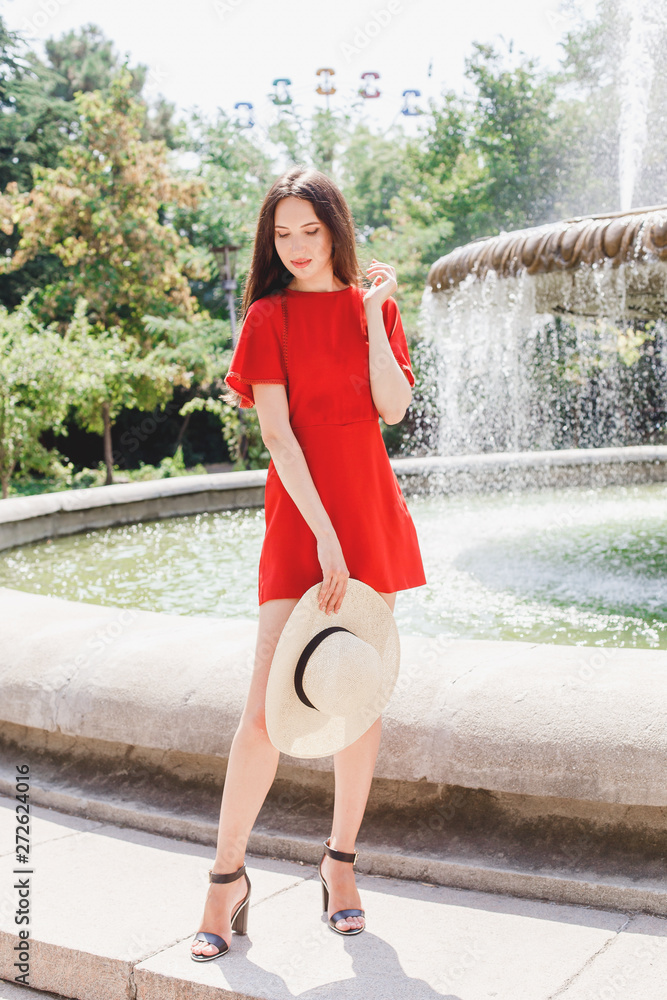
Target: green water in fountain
pixel 578 566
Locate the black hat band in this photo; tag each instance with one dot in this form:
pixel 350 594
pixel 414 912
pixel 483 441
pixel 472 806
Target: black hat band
pixel 308 650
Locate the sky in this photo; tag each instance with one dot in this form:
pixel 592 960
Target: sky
pixel 215 53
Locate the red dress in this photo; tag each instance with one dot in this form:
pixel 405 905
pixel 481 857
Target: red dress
pixel 321 355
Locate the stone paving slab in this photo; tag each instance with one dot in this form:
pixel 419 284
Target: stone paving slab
pixel 114 911
pixel 103 899
pixel 420 942
pixel 50 825
pixel 632 967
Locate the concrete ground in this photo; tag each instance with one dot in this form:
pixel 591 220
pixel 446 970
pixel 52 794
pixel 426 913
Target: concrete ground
pixel 10 991
pixel 113 911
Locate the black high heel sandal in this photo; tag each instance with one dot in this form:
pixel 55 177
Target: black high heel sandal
pixel 239 917
pixel 339 856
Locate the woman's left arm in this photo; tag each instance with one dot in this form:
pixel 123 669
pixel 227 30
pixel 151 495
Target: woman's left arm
pixel 390 388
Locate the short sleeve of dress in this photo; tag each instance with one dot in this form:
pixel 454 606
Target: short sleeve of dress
pixel 259 355
pixel 396 334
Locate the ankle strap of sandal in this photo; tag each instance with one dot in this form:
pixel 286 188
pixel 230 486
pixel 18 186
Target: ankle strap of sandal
pixel 340 855
pixel 231 877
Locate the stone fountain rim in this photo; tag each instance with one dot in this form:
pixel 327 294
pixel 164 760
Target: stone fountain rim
pixel 542 249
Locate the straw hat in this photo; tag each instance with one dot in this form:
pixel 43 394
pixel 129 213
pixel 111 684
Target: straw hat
pixel 331 675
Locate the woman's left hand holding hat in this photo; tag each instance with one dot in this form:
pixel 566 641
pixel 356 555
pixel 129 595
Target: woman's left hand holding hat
pixel 335 574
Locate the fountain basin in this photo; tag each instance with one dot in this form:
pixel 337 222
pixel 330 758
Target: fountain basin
pixel 523 718
pixel 573 565
pixel 532 732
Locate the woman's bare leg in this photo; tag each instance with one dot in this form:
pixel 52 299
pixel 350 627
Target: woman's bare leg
pixel 353 771
pixel 251 768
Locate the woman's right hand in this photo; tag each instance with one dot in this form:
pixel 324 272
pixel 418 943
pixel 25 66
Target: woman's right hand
pixel 335 574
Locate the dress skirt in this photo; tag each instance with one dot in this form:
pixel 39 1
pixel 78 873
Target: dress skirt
pixel 360 492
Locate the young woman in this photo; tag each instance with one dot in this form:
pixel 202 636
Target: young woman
pixel 321 358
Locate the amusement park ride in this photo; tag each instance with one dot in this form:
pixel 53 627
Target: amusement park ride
pixel 281 96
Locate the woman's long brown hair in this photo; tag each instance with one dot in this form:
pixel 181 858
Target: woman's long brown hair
pixel 267 272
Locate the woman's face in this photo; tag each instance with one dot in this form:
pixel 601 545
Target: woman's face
pixel 303 242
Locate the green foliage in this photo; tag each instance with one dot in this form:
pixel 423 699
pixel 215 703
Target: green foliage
pixel 234 173
pixel 200 346
pixel 170 466
pixel 85 61
pixel 417 434
pixel 595 382
pixel 96 210
pixel 290 133
pixel 240 429
pixel 114 372
pixel 62 475
pixel 38 119
pixel 494 160
pixel 373 171
pixel 326 135
pixel 33 125
pixel 516 132
pixel 100 214
pixel 36 376
pixel 95 371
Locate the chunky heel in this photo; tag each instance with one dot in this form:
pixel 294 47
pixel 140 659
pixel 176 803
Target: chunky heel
pixel 340 914
pixel 239 917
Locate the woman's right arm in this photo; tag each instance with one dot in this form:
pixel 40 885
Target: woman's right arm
pixel 292 468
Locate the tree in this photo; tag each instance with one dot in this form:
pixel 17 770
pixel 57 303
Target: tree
pixel 38 118
pixel 85 60
pixel 103 214
pixel 32 126
pixel 33 129
pixel 112 374
pixel 196 346
pixel 290 134
pixel 373 170
pixel 35 389
pixel 496 159
pixel 234 172
pixel 516 131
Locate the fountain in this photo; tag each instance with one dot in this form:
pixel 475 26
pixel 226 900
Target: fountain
pixel 553 337
pixel 644 25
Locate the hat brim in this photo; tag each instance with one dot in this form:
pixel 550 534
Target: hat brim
pixel 293 727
